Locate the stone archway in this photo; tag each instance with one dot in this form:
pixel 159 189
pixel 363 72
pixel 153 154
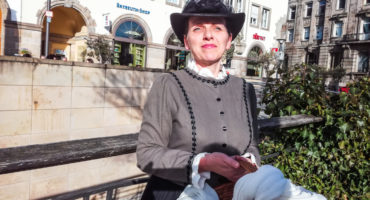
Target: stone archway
pixel 75 4
pixel 3 16
pixel 254 67
pixel 71 25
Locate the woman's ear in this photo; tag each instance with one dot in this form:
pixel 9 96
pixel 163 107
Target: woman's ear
pixel 186 43
pixel 230 39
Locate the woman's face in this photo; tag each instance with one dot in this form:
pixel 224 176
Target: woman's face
pixel 207 39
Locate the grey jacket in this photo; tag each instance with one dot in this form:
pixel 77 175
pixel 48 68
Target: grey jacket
pixel 221 122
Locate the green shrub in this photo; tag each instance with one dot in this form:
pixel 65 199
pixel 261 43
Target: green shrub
pixel 331 157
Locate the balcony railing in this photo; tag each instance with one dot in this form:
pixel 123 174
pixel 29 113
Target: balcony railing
pixel 45 155
pixel 356 37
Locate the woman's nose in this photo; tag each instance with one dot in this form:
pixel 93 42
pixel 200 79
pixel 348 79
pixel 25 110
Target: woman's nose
pixel 207 34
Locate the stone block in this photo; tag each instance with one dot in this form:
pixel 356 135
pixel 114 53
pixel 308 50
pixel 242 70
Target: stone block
pixel 117 116
pixel 88 165
pixel 87 118
pixel 52 75
pixel 51 120
pixel 118 78
pixel 81 179
pixel 49 97
pixel 15 122
pixel 14 141
pixel 19 191
pixel 143 79
pixel 136 114
pixel 13 178
pixel 15 73
pixel 113 169
pixel 87 97
pixel 139 96
pixel 49 186
pixel 86 76
pixel 48 172
pixel 118 97
pixel 86 133
pixel 50 137
pixel 15 97
pixel 156 58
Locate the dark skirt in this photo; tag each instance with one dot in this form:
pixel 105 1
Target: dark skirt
pixel 161 189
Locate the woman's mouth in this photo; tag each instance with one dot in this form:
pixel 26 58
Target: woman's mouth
pixel 209 46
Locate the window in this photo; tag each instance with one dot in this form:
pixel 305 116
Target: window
pixel 322 8
pixel 292 13
pixel 319 31
pixel 336 59
pixel 265 18
pixel 367 1
pixel 306 34
pixel 176 54
pixel 229 3
pixel 365 29
pixel 254 15
pixel 338 27
pixel 239 6
pixel 341 4
pixel 309 9
pixel 130 45
pixel 363 62
pixel 173 2
pixel 290 35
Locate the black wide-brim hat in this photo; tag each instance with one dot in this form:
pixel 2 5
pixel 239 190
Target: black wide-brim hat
pixel 206 8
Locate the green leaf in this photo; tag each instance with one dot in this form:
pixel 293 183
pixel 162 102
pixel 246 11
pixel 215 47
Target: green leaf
pixel 344 127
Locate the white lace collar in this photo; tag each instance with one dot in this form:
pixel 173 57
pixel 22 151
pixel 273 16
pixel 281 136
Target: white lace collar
pixel 205 72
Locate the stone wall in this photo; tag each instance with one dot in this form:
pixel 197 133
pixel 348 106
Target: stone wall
pixel 44 101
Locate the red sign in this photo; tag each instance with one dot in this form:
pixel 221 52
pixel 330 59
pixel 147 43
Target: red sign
pixel 258 37
pixel 274 49
pixel 49 13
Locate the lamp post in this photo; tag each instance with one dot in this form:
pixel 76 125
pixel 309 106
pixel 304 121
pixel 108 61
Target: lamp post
pixel 48 20
pixel 280 54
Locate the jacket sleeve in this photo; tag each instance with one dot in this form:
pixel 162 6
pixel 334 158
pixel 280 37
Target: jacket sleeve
pixel 153 155
pixel 253 108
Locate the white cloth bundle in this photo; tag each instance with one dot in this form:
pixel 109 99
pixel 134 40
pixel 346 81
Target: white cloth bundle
pixel 267 183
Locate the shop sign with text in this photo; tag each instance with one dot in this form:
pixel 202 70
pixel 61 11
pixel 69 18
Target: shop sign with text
pixel 258 37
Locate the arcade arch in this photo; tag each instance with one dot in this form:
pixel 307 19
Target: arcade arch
pixel 253 66
pixel 70 26
pixel 176 53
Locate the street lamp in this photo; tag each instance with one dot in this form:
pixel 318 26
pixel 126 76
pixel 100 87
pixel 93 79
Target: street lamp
pixel 48 20
pixel 280 54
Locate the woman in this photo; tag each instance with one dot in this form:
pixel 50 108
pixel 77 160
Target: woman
pixel 198 121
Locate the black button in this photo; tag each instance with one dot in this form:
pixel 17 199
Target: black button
pixel 224 128
pixel 224 145
pixel 218 99
pixel 222 113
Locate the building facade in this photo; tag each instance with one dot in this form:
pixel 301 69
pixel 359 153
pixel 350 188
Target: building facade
pixel 329 33
pixel 139 31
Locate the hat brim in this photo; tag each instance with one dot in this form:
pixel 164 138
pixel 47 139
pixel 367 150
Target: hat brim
pixel 235 22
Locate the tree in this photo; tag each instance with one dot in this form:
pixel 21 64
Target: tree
pixel 101 48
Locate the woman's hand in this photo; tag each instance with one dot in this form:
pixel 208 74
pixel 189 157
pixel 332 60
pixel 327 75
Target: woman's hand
pixel 223 165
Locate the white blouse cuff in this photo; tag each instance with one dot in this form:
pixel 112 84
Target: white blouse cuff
pixel 251 156
pixel 198 179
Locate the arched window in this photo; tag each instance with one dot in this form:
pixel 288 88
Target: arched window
pixel 130 44
pixel 254 68
pixel 176 54
pixel 131 30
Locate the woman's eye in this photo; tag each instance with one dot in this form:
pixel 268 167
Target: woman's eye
pixel 218 28
pixel 196 29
